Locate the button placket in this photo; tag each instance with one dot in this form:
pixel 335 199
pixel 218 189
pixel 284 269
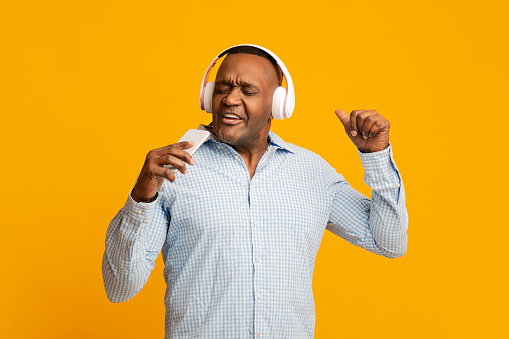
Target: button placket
pixel 257 226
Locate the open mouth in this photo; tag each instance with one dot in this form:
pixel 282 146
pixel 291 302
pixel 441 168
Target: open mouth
pixel 231 118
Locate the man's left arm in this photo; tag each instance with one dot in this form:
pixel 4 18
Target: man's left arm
pixel 378 224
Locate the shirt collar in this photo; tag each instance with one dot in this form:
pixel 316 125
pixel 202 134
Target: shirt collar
pixel 274 140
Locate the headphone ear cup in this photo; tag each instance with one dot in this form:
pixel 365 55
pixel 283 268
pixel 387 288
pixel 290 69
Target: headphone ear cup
pixel 290 105
pixel 278 103
pixel 207 97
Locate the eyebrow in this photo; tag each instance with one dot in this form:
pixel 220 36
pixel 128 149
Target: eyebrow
pixel 241 84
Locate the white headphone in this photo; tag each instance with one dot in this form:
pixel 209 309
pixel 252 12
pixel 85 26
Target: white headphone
pixel 283 101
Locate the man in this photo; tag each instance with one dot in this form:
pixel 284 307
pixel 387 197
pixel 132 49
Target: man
pixel 240 225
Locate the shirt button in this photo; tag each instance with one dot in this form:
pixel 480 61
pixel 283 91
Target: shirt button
pixel 218 147
pixel 258 259
pixel 258 334
pixel 139 211
pixel 236 157
pixel 259 296
pixel 398 185
pixel 254 222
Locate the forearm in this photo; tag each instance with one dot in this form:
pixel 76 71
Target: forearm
pixel 388 218
pixel 133 242
pixel 378 224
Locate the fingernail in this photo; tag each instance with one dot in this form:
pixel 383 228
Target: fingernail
pixel 364 136
pixel 192 161
pixel 354 133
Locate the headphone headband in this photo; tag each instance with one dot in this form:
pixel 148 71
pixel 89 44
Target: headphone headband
pixel 289 100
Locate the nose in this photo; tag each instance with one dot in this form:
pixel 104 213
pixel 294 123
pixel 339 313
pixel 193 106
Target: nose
pixel 233 97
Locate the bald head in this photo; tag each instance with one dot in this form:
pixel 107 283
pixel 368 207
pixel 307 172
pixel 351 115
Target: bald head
pixel 243 49
pixel 247 68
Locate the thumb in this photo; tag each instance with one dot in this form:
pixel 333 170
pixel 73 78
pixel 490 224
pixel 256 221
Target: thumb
pixel 344 118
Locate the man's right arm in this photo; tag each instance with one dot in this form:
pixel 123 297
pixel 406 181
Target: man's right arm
pixel 137 233
pixel 133 241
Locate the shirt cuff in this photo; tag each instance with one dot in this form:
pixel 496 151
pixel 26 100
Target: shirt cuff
pixel 139 209
pixel 380 170
pixel 376 160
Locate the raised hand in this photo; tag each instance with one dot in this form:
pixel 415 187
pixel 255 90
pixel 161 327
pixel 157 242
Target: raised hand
pixel 368 130
pixel 153 173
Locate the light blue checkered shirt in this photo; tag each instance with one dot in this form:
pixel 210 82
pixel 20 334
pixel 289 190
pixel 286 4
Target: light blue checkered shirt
pixel 239 253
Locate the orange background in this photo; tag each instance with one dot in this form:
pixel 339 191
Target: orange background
pixel 87 88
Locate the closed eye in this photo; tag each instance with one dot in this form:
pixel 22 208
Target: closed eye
pixel 221 89
pixel 249 92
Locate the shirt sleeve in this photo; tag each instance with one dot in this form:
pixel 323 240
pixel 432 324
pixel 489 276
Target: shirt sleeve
pixel 134 239
pixel 378 224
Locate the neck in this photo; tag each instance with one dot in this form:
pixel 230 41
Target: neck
pixel 250 153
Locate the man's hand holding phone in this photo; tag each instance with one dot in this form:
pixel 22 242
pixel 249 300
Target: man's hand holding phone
pixel 153 173
pixel 164 162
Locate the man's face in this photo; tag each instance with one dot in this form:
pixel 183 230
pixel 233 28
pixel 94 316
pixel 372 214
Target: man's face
pixel 242 99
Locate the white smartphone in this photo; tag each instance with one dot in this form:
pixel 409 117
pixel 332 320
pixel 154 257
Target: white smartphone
pixel 195 135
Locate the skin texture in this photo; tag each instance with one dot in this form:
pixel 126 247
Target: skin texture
pixel 153 173
pixel 368 130
pixel 245 85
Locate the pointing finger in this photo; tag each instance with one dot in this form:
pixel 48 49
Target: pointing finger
pixel 344 118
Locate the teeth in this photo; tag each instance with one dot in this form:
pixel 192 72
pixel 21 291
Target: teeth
pixel 233 116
